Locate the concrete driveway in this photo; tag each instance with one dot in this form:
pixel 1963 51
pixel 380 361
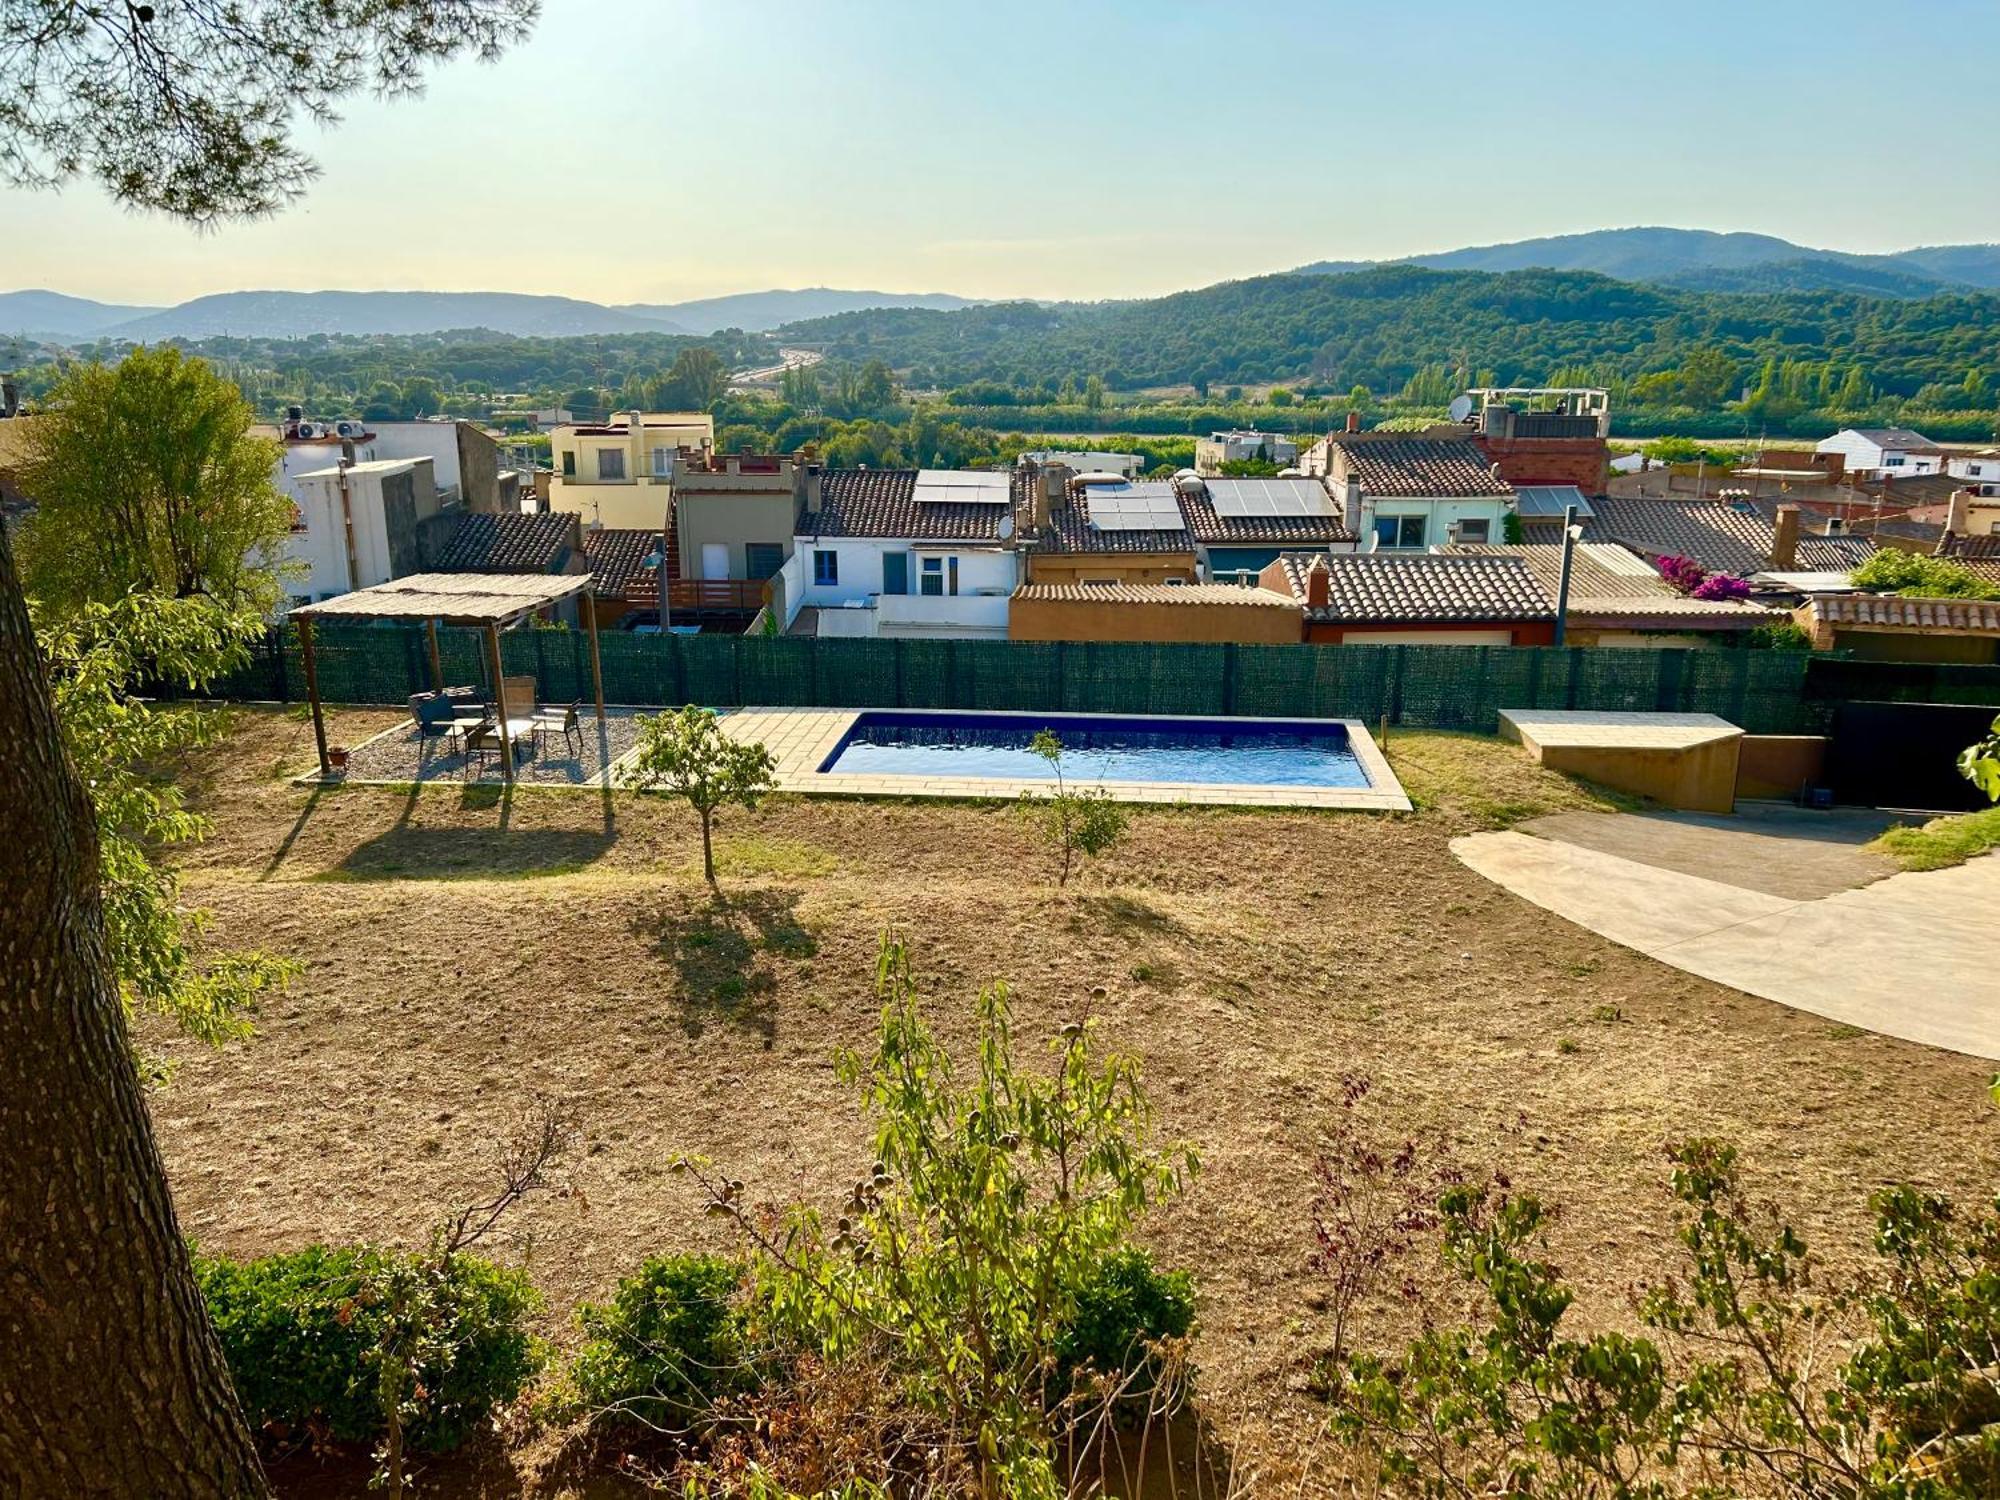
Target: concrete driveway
pixel 1801 920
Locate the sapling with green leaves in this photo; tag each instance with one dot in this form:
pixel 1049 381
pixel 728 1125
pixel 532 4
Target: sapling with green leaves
pixel 998 1201
pixel 688 754
pixel 1073 822
pixel 1980 763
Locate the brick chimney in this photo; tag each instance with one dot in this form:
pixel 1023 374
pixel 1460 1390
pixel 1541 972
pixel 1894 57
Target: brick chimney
pixel 1350 504
pixel 1318 584
pixel 1354 421
pixel 1957 516
pixel 1785 540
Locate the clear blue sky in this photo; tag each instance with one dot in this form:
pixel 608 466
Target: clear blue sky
pixel 651 150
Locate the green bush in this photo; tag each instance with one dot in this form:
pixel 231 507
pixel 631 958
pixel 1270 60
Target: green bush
pixel 670 1343
pixel 1122 1307
pixel 1921 576
pixel 298 1330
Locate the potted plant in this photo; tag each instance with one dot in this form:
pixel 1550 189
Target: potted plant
pixel 336 756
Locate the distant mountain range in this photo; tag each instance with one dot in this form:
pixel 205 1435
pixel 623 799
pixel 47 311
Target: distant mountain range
pixel 1705 260
pixel 59 318
pixel 1688 259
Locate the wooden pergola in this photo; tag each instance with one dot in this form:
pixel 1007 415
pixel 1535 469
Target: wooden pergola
pixel 490 601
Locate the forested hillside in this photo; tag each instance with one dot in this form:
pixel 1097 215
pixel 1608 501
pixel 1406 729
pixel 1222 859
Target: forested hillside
pixel 1379 328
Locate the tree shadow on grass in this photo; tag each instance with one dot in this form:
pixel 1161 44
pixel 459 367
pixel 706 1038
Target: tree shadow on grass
pixel 1126 914
pixel 727 951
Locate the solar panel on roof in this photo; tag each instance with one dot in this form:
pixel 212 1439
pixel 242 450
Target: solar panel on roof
pixel 1550 500
pixel 1269 497
pixel 961 487
pixel 1135 507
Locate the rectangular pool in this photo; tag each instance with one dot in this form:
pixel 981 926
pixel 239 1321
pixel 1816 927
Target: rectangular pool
pixel 1100 748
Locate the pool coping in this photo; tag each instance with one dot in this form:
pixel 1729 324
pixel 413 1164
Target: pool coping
pixel 800 739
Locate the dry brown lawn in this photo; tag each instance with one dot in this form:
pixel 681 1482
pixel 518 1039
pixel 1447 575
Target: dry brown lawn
pixel 465 955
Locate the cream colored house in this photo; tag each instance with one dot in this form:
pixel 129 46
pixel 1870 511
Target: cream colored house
pixel 620 473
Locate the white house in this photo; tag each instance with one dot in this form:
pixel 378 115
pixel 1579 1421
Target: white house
pixel 1409 494
pixel 466 463
pixel 1242 446
pixel 1980 471
pixel 357 526
pixel 1085 461
pixel 904 552
pixel 1871 452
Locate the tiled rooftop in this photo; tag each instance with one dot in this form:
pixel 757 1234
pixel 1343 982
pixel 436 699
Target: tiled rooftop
pixel 617 562
pixel 1393 588
pixel 1192 594
pixel 880 503
pixel 483 543
pixel 1419 466
pixel 1716 534
pixel 1894 612
pixel 1606 579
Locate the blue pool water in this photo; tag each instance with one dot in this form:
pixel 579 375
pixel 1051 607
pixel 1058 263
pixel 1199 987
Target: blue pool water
pixel 1238 752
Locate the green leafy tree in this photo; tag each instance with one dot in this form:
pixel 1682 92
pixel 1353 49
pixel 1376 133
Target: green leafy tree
pixel 688 754
pixel 100 658
pixel 422 397
pixel 1980 763
pixel 964 1254
pixel 146 476
pixel 189 108
pixel 1074 823
pixel 696 381
pixel 1093 393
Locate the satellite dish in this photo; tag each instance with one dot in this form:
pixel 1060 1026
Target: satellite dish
pixel 1460 408
pixel 1006 528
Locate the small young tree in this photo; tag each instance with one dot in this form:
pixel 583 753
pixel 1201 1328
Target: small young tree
pixel 1074 823
pixel 687 753
pixel 1980 763
pixel 960 1257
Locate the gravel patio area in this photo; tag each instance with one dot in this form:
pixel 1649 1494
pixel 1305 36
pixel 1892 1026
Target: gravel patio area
pixel 402 755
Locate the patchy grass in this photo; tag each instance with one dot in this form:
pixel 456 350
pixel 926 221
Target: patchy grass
pixel 1488 783
pixel 755 854
pixel 1249 961
pixel 1942 842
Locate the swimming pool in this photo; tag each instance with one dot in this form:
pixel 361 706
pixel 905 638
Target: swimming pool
pixel 1101 748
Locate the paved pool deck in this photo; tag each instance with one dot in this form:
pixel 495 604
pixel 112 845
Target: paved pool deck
pixel 800 740
pixel 1789 911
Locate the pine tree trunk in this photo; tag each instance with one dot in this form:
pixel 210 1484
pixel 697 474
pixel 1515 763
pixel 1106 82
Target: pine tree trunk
pixel 111 1381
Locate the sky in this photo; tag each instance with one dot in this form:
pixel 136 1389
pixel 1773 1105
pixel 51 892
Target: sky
pixel 657 150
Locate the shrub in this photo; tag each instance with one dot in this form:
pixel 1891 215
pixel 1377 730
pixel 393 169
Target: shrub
pixel 1073 823
pixel 668 1345
pixel 299 1330
pixel 1682 573
pixel 1920 576
pixel 1122 1309
pixel 1722 586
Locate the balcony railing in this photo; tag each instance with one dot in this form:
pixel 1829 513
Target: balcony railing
pixel 717 593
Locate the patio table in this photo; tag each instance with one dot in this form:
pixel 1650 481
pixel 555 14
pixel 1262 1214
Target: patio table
pixel 457 729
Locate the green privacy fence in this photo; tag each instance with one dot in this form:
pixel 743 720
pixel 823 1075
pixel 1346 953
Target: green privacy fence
pixel 1444 687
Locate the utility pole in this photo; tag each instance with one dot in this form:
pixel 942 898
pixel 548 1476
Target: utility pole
pixel 1562 578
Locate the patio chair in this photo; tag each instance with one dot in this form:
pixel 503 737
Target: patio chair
pixel 481 745
pixel 566 722
pixel 433 713
pixel 517 697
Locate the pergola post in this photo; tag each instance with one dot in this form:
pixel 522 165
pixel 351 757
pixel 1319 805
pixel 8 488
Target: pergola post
pixel 596 666
pixel 312 694
pixel 500 701
pixel 437 664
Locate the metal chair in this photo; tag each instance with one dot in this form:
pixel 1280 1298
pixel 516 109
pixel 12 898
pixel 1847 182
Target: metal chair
pixel 564 721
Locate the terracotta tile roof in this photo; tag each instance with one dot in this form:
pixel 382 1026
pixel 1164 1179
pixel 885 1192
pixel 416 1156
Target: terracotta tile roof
pixel 1398 588
pixel 1911 489
pixel 1720 536
pixel 1609 581
pixel 1228 594
pixel 617 561
pixel 1423 466
pixel 1976 553
pixel 879 502
pixel 1894 612
pixel 482 543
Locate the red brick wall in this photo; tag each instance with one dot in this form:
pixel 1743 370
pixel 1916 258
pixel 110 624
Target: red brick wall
pixel 1577 461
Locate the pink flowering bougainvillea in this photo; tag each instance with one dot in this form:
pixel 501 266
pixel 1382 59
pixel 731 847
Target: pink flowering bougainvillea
pixel 1684 573
pixel 1722 586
